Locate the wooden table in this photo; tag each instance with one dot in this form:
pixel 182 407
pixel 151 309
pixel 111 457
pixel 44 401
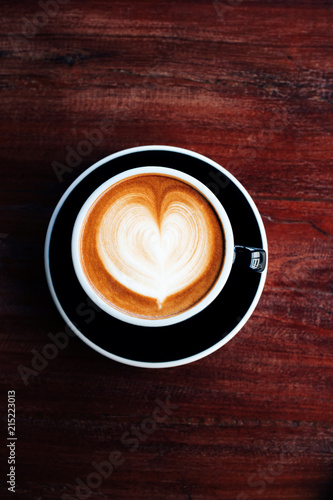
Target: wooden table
pixel 248 84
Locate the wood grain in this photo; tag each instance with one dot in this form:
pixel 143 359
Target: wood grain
pixel 248 84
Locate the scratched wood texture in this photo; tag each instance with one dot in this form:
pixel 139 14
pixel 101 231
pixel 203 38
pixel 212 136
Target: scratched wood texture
pixel 249 84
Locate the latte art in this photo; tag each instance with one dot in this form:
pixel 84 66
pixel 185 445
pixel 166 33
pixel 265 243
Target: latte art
pixel 150 256
pixel 152 246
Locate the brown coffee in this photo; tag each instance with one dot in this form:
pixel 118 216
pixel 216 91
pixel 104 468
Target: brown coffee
pixel 152 246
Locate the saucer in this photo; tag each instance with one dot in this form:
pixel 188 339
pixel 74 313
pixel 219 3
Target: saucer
pixel 166 346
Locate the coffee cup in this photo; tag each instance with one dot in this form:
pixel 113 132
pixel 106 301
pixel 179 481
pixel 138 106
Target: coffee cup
pixel 153 246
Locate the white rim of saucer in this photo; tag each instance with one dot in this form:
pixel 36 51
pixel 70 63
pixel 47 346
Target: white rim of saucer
pixel 164 364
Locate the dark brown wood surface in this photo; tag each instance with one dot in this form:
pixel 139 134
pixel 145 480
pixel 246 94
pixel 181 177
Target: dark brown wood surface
pixel 249 84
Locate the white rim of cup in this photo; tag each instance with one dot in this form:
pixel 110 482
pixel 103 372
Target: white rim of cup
pixel 177 362
pixel 206 300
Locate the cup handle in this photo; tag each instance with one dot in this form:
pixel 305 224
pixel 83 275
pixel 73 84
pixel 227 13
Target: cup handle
pixel 250 258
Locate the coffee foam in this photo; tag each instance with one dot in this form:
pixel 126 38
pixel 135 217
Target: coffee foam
pixel 152 246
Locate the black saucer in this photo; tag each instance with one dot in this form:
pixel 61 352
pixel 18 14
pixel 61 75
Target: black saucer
pixel 167 345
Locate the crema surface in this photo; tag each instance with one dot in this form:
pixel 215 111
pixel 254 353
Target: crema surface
pixel 152 246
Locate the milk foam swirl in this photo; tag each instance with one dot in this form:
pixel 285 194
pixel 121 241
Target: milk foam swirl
pixel 155 249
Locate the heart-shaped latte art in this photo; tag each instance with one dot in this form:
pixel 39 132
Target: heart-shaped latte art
pixel 154 251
